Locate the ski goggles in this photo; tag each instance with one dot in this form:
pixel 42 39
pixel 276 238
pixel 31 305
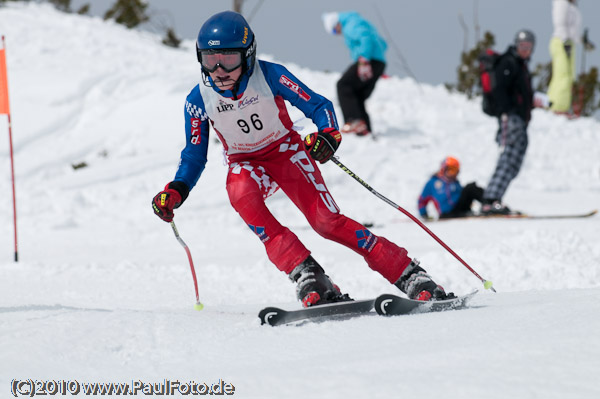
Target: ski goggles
pixel 227 60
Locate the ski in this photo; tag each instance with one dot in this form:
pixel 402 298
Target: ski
pixel 277 316
pixel 515 215
pixel 385 305
pixel 559 216
pixel 392 305
pixel 522 215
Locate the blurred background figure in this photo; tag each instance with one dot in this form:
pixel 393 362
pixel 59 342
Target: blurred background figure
pixel 450 198
pixel 566 20
pixel 367 49
pixel 514 98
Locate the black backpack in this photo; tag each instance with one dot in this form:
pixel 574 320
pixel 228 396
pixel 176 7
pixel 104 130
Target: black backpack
pixel 488 63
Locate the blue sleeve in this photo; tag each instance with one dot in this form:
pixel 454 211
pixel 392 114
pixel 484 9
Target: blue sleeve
pixel 359 39
pixel 426 196
pixel 316 107
pixel 362 38
pixel 194 155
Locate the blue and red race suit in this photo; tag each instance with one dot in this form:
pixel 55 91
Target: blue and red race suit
pixel 265 153
pixel 250 123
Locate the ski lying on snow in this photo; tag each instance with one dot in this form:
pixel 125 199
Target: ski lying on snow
pixel 276 316
pixel 563 216
pixel 516 215
pixel 392 305
pixel 520 215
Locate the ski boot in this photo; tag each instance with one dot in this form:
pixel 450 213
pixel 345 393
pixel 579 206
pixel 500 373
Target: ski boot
pixel 314 286
pixel 418 285
pixel 494 207
pixel 357 126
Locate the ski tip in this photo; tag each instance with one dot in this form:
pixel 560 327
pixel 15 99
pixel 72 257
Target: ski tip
pixel 270 316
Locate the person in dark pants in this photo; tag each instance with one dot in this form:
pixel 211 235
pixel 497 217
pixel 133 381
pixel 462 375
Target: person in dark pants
pixel 367 49
pixel 450 198
pixel 514 98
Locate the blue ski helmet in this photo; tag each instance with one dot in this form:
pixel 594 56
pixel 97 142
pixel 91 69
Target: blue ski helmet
pixel 227 31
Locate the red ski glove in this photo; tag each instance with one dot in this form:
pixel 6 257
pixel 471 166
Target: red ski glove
pixel 322 145
pixel 169 199
pixel 364 71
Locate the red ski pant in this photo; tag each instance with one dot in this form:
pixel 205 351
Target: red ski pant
pixel 287 165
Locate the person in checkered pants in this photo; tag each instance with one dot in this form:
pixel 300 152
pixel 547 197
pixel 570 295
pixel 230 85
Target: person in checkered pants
pixel 515 100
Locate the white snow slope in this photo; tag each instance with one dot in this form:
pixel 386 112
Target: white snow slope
pixel 103 291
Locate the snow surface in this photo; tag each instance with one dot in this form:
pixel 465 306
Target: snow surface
pixel 103 290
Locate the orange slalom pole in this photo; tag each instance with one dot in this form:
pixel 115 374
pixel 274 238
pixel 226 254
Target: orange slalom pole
pixel 5 109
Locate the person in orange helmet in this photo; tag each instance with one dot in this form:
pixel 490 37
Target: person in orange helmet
pixel 444 190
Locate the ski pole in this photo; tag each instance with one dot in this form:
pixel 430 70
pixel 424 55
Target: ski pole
pixel 486 283
pixel 198 305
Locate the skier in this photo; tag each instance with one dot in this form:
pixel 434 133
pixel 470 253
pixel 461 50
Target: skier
pixel 243 99
pixel 444 190
pixel 367 49
pixel 566 20
pixel 514 99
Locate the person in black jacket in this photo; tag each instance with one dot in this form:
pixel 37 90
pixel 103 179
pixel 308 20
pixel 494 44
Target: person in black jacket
pixel 514 97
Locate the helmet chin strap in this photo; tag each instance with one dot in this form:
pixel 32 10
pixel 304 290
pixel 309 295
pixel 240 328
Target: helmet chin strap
pixel 235 88
pixel 209 82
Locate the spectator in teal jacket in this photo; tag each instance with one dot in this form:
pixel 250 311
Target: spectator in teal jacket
pixel 367 50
